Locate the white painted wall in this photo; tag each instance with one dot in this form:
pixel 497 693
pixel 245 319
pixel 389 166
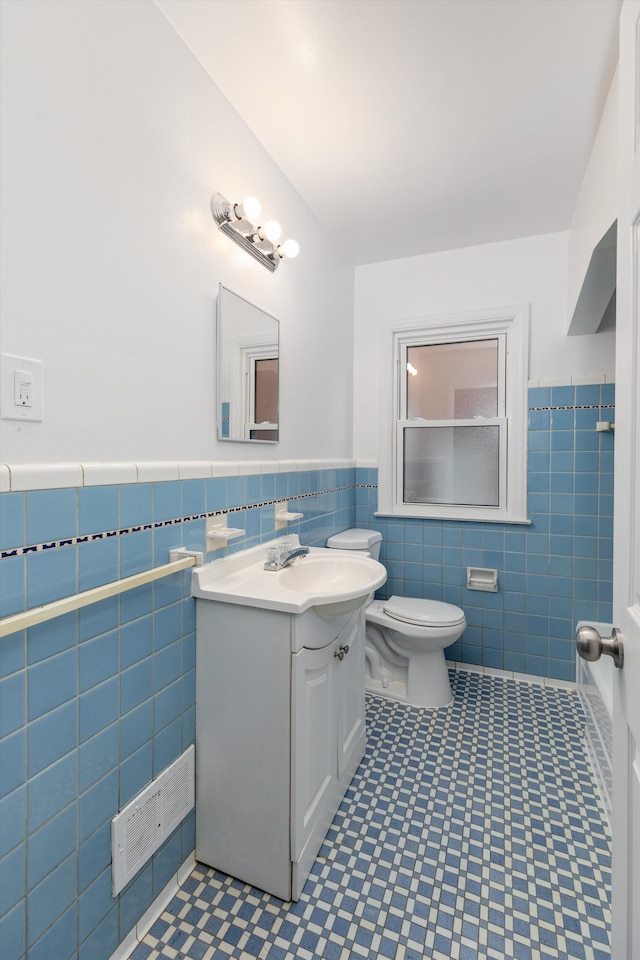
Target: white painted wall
pixel 113 139
pixel 532 270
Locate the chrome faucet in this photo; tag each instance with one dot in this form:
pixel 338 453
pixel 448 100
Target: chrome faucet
pixel 279 562
pixel 288 558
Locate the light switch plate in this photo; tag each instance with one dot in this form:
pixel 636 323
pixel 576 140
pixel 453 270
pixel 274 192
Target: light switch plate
pixel 23 371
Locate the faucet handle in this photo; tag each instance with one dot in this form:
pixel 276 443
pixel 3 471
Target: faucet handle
pixel 283 549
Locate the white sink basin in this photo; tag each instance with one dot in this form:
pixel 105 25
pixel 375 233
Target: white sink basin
pixel 314 574
pixel 330 581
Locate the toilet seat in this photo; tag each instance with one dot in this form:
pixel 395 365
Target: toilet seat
pixel 423 613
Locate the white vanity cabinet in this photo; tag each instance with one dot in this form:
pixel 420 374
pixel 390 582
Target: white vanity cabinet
pixel 280 731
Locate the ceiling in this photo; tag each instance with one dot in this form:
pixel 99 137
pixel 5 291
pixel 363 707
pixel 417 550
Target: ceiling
pixel 410 126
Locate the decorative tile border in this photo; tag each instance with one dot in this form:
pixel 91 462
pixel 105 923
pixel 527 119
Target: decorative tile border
pixel 577 406
pixel 158 524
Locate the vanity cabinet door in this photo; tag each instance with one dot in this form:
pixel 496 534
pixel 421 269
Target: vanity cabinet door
pixel 350 679
pixel 313 754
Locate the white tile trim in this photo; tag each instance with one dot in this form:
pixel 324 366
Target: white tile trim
pixel 465 667
pixel 103 474
pixel 512 675
pixel 224 469
pixel 561 684
pixel 496 672
pixel 583 379
pixel 155 911
pixel 44 476
pixel 186 868
pixel 588 379
pixel 194 469
pixel 153 470
pixel 126 948
pixel 249 468
pixel 554 382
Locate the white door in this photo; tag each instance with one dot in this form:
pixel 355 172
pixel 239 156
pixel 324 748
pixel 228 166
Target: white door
pixel 626 591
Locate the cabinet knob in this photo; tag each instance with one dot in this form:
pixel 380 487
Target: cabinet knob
pixel 339 654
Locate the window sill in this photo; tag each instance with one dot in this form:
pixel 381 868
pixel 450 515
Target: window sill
pixel 504 518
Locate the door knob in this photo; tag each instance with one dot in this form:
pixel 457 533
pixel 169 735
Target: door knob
pixel 591 645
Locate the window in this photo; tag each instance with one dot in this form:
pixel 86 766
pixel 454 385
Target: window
pixel 454 444
pixel 262 386
pixel 260 396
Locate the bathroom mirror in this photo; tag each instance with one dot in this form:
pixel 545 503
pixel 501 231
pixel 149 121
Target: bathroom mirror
pixel 248 375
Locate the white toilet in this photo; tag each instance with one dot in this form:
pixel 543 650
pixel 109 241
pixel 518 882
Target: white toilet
pixel 405 638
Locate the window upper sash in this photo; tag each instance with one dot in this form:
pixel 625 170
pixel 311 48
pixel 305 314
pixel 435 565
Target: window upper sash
pixel 452 369
pixel 509 327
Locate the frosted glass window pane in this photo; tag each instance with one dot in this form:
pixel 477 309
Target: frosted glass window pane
pixel 452 381
pixel 452 465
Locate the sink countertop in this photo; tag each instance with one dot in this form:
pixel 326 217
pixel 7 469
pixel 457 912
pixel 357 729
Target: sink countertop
pixel 241 579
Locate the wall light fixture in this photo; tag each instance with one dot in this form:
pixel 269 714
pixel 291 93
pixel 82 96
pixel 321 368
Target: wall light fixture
pixel 236 220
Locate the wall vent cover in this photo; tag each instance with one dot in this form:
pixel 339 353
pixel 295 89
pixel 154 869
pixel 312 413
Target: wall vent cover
pixel 145 823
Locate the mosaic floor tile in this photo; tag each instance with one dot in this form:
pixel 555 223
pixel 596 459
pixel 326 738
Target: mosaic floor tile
pixel 461 837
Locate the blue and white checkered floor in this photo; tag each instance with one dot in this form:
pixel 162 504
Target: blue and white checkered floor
pixel 471 831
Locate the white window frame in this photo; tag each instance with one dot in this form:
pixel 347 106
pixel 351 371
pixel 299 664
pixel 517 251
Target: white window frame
pixel 266 351
pixel 244 351
pixel 510 326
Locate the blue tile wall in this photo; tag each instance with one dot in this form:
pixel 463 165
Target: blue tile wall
pixel 96 703
pixel 552 573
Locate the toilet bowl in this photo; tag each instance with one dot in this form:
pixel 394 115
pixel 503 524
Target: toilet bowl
pixel 405 637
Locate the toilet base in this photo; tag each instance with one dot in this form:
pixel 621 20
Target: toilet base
pixel 427 683
pixel 396 690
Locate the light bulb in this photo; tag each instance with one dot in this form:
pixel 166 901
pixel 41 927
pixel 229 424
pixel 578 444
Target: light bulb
pixel 272 230
pixel 290 248
pixel 249 208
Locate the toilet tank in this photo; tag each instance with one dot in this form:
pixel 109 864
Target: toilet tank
pixel 366 541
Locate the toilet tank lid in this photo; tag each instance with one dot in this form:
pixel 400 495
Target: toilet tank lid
pixel 354 539
pixel 432 613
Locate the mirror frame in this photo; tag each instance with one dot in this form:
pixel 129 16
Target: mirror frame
pixel 258 349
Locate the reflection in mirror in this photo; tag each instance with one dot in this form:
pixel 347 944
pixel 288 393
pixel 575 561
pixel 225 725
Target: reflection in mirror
pixel 248 374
